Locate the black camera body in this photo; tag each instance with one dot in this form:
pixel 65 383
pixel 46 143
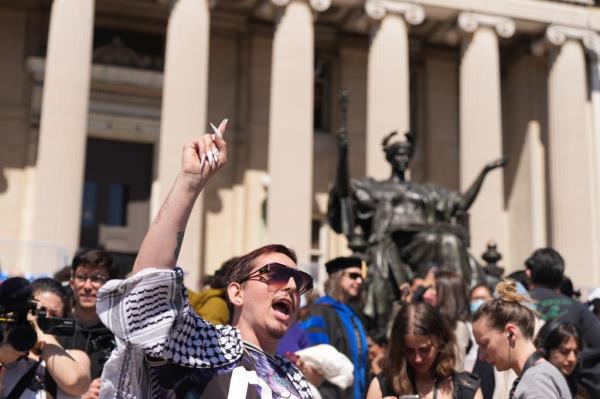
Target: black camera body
pixel 16 303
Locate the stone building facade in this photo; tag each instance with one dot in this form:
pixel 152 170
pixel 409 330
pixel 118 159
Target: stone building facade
pixel 98 97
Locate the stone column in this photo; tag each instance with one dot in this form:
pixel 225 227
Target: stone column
pixel 573 206
pixel 480 121
pixel 184 111
pixel 290 197
pixel 388 78
pixel 594 73
pixel 62 141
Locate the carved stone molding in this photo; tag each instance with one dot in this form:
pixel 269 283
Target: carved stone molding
pixel 470 22
pixel 414 14
pixel 317 5
pixel 557 35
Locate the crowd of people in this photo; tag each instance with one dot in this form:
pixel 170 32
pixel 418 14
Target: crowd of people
pixel 259 331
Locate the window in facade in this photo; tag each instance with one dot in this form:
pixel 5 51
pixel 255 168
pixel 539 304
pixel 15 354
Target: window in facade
pixel 88 214
pixel 322 95
pixel 117 204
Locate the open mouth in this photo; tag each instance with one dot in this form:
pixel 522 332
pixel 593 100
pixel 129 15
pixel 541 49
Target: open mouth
pixel 283 306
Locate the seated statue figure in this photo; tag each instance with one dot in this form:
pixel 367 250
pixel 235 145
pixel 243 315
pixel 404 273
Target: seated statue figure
pixel 401 227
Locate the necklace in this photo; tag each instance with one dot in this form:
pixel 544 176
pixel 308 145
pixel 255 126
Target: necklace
pixel 265 369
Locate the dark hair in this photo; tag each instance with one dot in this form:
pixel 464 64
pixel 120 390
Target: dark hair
pixel 554 333
pixel 520 277
pixel 480 285
pixel 452 299
pixel 220 278
pixel 244 264
pixel 95 258
pixel 47 284
pixel 379 337
pixel 509 307
pixel 567 289
pixel 418 319
pixel 547 267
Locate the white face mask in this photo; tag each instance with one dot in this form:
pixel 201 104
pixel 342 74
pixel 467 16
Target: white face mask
pixel 475 304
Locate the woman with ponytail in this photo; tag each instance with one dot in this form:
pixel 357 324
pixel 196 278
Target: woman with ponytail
pixel 504 329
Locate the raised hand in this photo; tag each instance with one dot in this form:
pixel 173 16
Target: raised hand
pixel 202 157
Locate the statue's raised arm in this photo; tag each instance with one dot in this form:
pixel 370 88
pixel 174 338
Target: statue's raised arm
pixel 469 196
pixel 340 207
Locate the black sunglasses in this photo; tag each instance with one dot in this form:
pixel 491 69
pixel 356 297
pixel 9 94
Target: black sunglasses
pixel 278 274
pixel 354 275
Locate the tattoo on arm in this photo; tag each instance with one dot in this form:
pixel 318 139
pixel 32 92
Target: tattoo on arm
pixel 179 242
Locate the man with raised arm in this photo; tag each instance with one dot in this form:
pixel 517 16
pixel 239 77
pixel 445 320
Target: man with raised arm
pixel 164 347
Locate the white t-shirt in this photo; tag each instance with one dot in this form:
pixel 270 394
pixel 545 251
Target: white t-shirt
pixel 11 375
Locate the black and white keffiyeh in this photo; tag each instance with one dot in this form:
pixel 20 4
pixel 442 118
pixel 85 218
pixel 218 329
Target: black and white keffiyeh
pixel 150 316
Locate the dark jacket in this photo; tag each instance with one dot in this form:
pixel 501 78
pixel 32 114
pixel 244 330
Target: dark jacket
pixel 97 341
pixel 334 323
pixel 552 304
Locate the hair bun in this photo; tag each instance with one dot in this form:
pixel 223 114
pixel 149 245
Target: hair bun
pixel 507 290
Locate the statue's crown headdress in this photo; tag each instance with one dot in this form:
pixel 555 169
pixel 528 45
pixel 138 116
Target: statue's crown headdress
pixel 410 142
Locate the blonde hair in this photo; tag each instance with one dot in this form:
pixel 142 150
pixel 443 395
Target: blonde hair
pixel 508 307
pixel 333 285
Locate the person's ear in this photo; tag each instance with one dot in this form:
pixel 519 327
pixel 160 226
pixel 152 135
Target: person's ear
pixel 511 330
pixel 234 292
pixel 528 274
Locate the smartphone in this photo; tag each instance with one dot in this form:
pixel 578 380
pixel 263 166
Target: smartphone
pixel 409 397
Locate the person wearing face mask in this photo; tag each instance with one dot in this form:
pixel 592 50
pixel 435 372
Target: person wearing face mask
pixel 333 322
pixel 479 295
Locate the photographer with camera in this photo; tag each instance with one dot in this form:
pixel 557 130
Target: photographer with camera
pixel 90 269
pixel 34 364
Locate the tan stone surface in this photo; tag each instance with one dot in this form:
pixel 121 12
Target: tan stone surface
pixel 184 112
pixel 524 178
pixel 440 141
pixel 289 209
pixel 481 136
pixel 61 150
pixel 387 90
pixel 572 204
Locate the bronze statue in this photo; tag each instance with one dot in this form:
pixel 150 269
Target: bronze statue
pixel 401 227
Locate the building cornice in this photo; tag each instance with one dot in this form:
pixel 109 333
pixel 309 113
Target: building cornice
pixel 470 22
pixel 413 13
pixel 543 12
pixel 317 5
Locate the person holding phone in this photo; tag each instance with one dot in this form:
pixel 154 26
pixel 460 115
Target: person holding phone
pixel 420 360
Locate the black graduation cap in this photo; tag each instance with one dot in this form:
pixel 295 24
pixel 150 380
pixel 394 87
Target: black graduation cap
pixel 343 262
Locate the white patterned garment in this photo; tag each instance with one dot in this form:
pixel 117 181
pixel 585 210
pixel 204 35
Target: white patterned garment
pixel 150 315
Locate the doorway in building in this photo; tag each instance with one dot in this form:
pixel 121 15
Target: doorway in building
pixel 116 195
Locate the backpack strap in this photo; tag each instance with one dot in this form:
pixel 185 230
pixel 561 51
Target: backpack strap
pixel 386 390
pixel 23 383
pixel 465 384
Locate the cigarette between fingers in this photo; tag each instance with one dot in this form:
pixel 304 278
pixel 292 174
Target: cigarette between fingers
pixel 216 131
